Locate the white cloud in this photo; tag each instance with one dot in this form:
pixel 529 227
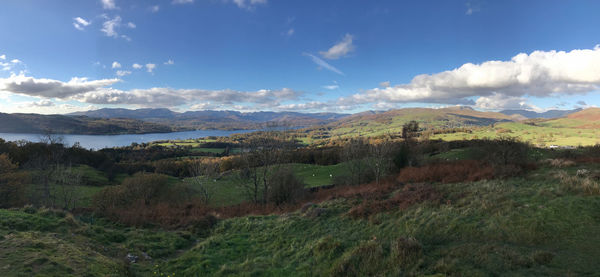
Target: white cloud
pixel 109 4
pixel 16 61
pixel 323 64
pixel 2 57
pixel 154 8
pixel 340 49
pixel 540 74
pixel 48 88
pixel 41 103
pixel 249 4
pixel 332 87
pixel 169 62
pixel 127 38
pixel 182 1
pixel 167 97
pixel 150 67
pixel 110 25
pixel 116 64
pixel 502 102
pixel 131 25
pixel 290 32
pixel 137 66
pixel 122 73
pixel 80 23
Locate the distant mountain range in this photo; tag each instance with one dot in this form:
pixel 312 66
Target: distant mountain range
pixel 121 121
pixel 230 120
pixel 546 114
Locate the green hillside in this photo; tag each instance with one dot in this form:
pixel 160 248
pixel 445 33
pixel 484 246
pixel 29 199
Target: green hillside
pixel 543 224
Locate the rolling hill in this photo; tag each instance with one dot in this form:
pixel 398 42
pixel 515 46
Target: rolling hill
pixel 378 123
pixel 60 124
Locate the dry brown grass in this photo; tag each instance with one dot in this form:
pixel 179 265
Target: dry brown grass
pixel 460 171
pixel 582 183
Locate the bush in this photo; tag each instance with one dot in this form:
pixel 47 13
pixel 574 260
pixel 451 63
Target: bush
pixel 285 186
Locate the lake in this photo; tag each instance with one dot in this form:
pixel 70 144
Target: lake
pixel 106 141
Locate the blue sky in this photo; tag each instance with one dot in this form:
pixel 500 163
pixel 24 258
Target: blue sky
pixel 340 56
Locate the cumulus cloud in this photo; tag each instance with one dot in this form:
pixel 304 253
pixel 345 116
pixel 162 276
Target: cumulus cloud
pixel 48 88
pixel 2 57
pixel 80 23
pixel 340 49
pixel 167 97
pixel 539 74
pixel 122 73
pixel 169 62
pixel 109 4
pixel 249 4
pixel 322 64
pixel 116 65
pixel 503 102
pixel 150 67
pixel 137 66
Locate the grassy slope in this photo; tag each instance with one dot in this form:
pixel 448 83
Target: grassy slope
pixel 525 226
pixel 549 134
pixel 522 226
pixel 391 122
pixel 48 243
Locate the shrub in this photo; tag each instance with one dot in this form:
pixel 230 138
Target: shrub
pixel 285 186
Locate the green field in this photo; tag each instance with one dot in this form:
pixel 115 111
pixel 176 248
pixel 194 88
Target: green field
pixel 538 135
pixel 226 190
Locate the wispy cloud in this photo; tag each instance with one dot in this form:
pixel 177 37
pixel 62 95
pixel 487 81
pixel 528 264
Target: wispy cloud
pixel 110 25
pixel 182 1
pixel 323 64
pixel 122 73
pixel 150 67
pixel 249 4
pixel 80 23
pixel 109 4
pixel 137 66
pixel 116 64
pixel 340 49
pixel 154 8
pixel 169 62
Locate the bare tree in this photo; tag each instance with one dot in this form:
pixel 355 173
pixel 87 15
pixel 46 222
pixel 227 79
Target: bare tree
pixel 65 180
pixel 381 157
pixel 203 174
pixel 354 153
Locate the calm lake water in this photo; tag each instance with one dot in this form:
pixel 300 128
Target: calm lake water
pixel 104 141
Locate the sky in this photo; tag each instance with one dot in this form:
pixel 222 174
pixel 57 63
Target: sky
pixel 342 56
